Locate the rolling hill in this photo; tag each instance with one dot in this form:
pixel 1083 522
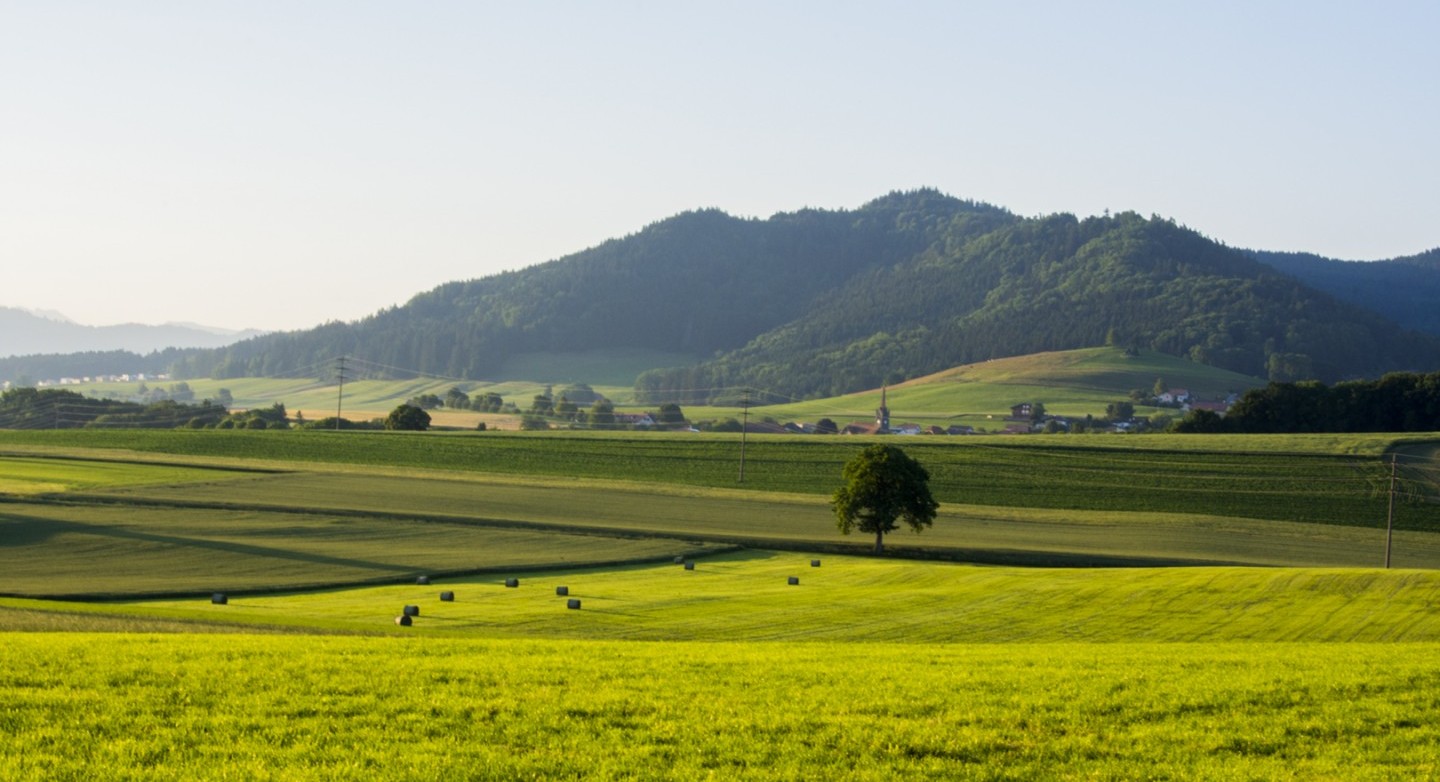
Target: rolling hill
pixel 819 303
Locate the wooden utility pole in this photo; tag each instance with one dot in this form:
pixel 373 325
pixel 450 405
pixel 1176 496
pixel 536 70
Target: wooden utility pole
pixel 744 424
pixel 1390 513
pixel 340 395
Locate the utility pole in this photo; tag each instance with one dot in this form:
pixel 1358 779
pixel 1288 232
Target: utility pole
pixel 744 424
pixel 340 395
pixel 1390 514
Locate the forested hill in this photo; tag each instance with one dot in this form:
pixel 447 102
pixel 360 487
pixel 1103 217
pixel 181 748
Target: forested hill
pixel 699 283
pixel 1406 289
pixel 1056 283
pixel 819 302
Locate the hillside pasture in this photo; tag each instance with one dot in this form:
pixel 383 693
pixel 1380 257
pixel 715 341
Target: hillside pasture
pixel 1070 383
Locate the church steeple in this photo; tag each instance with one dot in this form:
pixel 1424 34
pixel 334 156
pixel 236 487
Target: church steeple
pixel 882 415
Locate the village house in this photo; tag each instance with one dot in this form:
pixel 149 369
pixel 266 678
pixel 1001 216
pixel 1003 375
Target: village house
pixel 644 420
pixel 1175 396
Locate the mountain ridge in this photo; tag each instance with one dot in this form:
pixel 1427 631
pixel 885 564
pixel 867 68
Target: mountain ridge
pixel 822 302
pixel 28 332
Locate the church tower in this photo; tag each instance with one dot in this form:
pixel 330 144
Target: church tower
pixel 882 415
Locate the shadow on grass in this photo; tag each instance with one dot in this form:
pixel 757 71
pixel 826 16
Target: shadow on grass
pixel 25 530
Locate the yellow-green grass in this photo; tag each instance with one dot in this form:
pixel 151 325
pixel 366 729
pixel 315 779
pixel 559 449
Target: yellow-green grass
pixel 28 475
pixel 746 596
pixel 119 549
pixel 982 533
pixel 191 707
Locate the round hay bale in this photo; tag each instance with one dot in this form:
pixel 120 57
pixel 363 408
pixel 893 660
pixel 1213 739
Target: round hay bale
pixel 403 620
pixel 793 581
pixel 572 603
pixel 219 599
pixel 814 563
pixel 689 565
pixel 448 597
pixel 512 582
pixel 423 581
pixel 412 611
pixel 562 591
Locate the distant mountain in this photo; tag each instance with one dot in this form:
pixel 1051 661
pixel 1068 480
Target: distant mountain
pixel 818 303
pixel 1406 290
pixel 23 332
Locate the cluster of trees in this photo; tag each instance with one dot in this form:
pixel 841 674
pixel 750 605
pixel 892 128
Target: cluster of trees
pixel 1397 402
pixel 53 408
pixel 272 417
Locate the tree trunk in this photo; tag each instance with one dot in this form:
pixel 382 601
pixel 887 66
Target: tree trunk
pixel 879 543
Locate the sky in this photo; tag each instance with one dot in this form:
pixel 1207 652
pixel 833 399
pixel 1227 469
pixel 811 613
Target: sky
pixel 277 165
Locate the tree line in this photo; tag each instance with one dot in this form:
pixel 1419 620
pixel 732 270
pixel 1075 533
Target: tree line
pixel 54 408
pixel 1397 402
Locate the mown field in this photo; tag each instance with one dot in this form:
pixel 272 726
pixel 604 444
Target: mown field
pixel 1326 479
pixel 747 596
pixel 868 668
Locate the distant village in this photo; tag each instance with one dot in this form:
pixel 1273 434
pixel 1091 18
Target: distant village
pixel 1024 417
pixel 139 377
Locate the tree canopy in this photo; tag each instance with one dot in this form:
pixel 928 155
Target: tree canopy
pixel 883 485
pixel 408 418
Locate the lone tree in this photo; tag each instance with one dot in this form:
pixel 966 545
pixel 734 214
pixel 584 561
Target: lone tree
pixel 408 418
pixel 882 485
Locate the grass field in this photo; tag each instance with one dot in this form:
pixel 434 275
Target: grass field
pixel 746 596
pixel 868 668
pixel 1330 481
pixel 187 707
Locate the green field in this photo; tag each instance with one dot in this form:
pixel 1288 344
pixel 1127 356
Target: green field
pixel 921 664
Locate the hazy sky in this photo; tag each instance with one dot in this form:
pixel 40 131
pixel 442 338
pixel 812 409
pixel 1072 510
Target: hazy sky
pixel 280 164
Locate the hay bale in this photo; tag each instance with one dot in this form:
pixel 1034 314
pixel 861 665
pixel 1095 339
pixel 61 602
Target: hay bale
pixel 562 591
pixel 679 560
pixel 412 610
pixel 512 582
pixel 403 620
pixel 814 563
pixel 689 565
pixel 423 581
pixel 448 597
pixel 219 599
pixel 793 581
pixel 572 603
